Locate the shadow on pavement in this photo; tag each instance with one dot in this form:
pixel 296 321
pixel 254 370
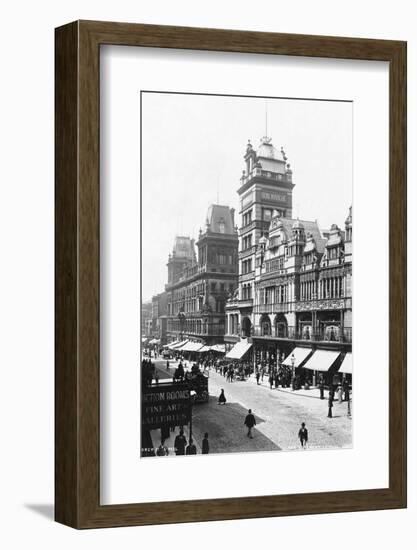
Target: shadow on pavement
pixel 226 429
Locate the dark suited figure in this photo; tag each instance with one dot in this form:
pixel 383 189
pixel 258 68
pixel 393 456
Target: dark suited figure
pixel 250 422
pixel 346 389
pixel 191 448
pixel 303 435
pixel 180 443
pixel 205 445
pixel 321 388
pixel 329 415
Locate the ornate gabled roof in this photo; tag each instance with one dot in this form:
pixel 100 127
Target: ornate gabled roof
pixel 269 158
pixel 267 150
pixel 184 248
pixel 220 219
pixel 335 236
pixel 286 225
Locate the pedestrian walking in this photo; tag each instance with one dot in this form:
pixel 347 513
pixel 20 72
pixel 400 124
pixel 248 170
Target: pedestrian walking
pixel 346 389
pixel 191 448
pixel 167 365
pixel 303 435
pixel 179 443
pixel 156 379
pixel 271 380
pixel 339 393
pixel 321 388
pixel 257 377
pixel 205 446
pixel 250 422
pixel 222 398
pixel 329 414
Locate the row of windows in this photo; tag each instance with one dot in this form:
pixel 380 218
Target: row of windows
pixel 273 295
pixel 246 292
pixel 222 287
pixel 246 266
pixel 325 288
pixel 189 291
pixel 267 214
pixel 233 324
pixel 246 242
pixel 247 218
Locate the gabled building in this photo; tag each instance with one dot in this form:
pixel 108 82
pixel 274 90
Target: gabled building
pixel 200 284
pixel 265 191
pixel 294 279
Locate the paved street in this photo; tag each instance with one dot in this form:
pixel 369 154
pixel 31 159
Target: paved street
pixel 278 414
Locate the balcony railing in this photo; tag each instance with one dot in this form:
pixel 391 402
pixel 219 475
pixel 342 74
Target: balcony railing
pixel 209 331
pixel 305 305
pixel 248 302
pixel 274 308
pixel 291 333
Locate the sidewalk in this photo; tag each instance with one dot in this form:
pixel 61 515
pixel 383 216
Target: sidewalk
pixel 312 392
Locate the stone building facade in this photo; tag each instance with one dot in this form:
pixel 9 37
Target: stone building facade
pixel 294 283
pixel 159 316
pixel 200 284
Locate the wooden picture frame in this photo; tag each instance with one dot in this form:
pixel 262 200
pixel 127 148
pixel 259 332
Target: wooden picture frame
pixel 77 384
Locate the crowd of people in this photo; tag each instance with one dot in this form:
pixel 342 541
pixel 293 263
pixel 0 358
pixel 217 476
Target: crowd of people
pixel 185 366
pixel 181 447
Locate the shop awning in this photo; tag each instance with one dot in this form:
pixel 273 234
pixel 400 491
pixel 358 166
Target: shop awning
pixel 346 365
pixel 322 360
pixel 219 348
pixel 192 346
pixel 144 340
pixel 300 355
pixel 154 341
pixel 179 345
pixel 172 344
pixel 204 349
pixel 239 350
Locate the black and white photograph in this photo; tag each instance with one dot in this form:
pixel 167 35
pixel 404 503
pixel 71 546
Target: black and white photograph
pixel 246 270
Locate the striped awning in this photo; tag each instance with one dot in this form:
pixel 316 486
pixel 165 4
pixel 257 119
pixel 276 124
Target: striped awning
pixel 299 354
pixel 192 346
pixel 239 350
pixel 179 345
pixel 204 349
pixel 346 365
pixel 219 348
pixel 322 360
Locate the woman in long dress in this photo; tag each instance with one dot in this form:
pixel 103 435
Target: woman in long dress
pixel 222 398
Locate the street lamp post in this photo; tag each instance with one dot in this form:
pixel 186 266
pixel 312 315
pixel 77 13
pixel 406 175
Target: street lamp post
pixel 192 399
pixel 293 372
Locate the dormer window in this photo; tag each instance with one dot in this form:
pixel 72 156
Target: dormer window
pixel 222 226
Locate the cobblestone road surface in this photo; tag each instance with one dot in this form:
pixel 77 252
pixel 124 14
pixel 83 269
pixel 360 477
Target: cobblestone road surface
pixel 278 416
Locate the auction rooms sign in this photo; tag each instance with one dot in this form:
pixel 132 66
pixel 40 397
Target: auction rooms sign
pixel 165 405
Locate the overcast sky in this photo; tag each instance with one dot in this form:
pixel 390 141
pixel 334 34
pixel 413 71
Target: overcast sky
pixel 192 156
